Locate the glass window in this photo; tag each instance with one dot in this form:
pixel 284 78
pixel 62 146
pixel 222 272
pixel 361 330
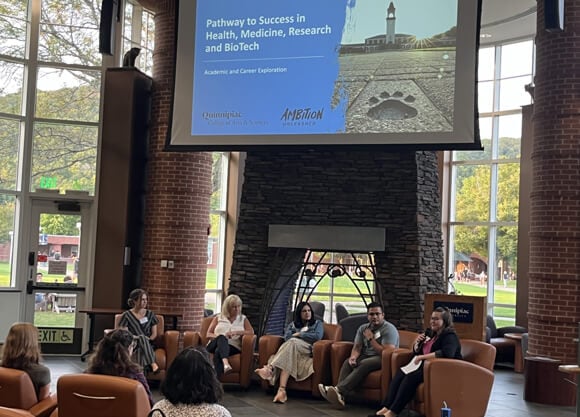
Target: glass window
pixel 64 157
pixel 68 94
pixel 508 192
pixel 486 64
pixel 516 59
pixel 485 96
pixel 9 141
pixel 509 136
pixel 472 192
pixel 216 236
pixel 7 211
pixel 512 94
pixel 69 32
pixel 483 234
pixel 13 27
pixel 11 82
pixel 139 31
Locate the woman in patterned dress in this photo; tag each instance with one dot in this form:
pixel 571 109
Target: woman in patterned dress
pixel 191 387
pixel 142 323
pixel 225 333
pixel 294 357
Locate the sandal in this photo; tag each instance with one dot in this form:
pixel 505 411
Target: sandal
pixel 264 372
pixel 281 396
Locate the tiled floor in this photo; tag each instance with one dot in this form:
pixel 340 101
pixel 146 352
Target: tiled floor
pixel 506 399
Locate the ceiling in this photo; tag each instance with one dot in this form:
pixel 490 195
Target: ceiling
pixel 503 20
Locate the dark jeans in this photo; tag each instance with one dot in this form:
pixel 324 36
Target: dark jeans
pixel 402 390
pixel 221 349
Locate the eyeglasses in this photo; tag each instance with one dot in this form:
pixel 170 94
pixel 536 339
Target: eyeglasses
pixel 374 314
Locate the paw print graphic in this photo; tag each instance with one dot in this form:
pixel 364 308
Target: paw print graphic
pixel 391 107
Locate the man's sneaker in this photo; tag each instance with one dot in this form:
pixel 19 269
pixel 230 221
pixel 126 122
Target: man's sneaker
pixel 335 397
pixel 323 388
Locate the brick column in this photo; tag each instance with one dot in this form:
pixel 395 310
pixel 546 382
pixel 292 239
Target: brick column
pixel 554 269
pixel 178 194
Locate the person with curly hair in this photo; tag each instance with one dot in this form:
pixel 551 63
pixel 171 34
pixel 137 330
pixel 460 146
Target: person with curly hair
pixel 113 357
pixel 191 387
pixel 22 351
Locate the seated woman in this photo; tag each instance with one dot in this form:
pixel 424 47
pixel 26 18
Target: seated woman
pixel 142 324
pixel 191 387
pixel 439 341
pixel 113 357
pixel 294 357
pixel 22 351
pixel 226 331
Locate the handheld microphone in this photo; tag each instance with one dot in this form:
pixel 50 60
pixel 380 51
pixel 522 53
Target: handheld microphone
pixel 428 334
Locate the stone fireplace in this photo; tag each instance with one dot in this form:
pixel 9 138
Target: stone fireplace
pixel 393 191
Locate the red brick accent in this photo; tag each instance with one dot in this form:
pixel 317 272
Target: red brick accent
pixel 178 195
pixel 553 309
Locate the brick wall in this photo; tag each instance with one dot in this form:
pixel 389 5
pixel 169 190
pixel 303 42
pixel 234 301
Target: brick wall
pixel 178 195
pixel 395 190
pixel 554 290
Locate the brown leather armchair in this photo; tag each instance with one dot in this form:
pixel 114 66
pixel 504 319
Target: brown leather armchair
pixel 376 384
pixel 465 385
pixel 269 345
pixel 242 364
pixel 166 343
pixel 17 392
pixel 89 395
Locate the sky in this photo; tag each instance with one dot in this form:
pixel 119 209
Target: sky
pixel 422 18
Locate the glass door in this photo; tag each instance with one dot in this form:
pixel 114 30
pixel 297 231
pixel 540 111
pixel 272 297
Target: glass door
pixel 56 273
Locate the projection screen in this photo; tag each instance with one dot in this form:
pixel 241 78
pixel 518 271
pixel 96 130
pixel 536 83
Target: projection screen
pixel 263 73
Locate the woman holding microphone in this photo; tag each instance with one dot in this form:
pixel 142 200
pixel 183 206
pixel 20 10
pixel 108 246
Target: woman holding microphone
pixel 438 341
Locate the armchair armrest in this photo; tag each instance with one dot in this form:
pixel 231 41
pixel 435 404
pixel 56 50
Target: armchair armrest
pixel 191 338
pixel 399 358
pixel 267 346
pixel 44 407
pixel 465 387
pixel 14 412
pixel 339 352
pixel 386 370
pixel 320 362
pixel 247 359
pixel 171 341
pixel 510 329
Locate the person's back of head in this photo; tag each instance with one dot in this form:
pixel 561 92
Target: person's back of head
pixel 21 348
pixel 113 355
pixel 191 379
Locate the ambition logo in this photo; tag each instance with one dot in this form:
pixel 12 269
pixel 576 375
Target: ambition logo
pixel 291 115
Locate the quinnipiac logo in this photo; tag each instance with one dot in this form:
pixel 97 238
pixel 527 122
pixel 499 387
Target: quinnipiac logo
pixel 221 115
pixel 305 114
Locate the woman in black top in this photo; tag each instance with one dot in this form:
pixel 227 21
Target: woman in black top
pixel 439 341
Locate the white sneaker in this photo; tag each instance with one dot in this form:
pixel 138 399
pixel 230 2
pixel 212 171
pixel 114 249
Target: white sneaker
pixel 335 397
pixel 323 390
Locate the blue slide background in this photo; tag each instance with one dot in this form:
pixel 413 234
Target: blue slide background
pixel 260 100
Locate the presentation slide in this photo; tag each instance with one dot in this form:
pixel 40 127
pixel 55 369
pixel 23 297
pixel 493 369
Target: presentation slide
pixel 325 72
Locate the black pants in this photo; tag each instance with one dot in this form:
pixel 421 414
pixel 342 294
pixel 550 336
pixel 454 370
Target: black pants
pixel 402 390
pixel 221 349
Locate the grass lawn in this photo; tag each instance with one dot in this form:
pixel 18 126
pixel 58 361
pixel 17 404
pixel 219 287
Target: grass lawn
pixel 4 274
pixel 52 319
